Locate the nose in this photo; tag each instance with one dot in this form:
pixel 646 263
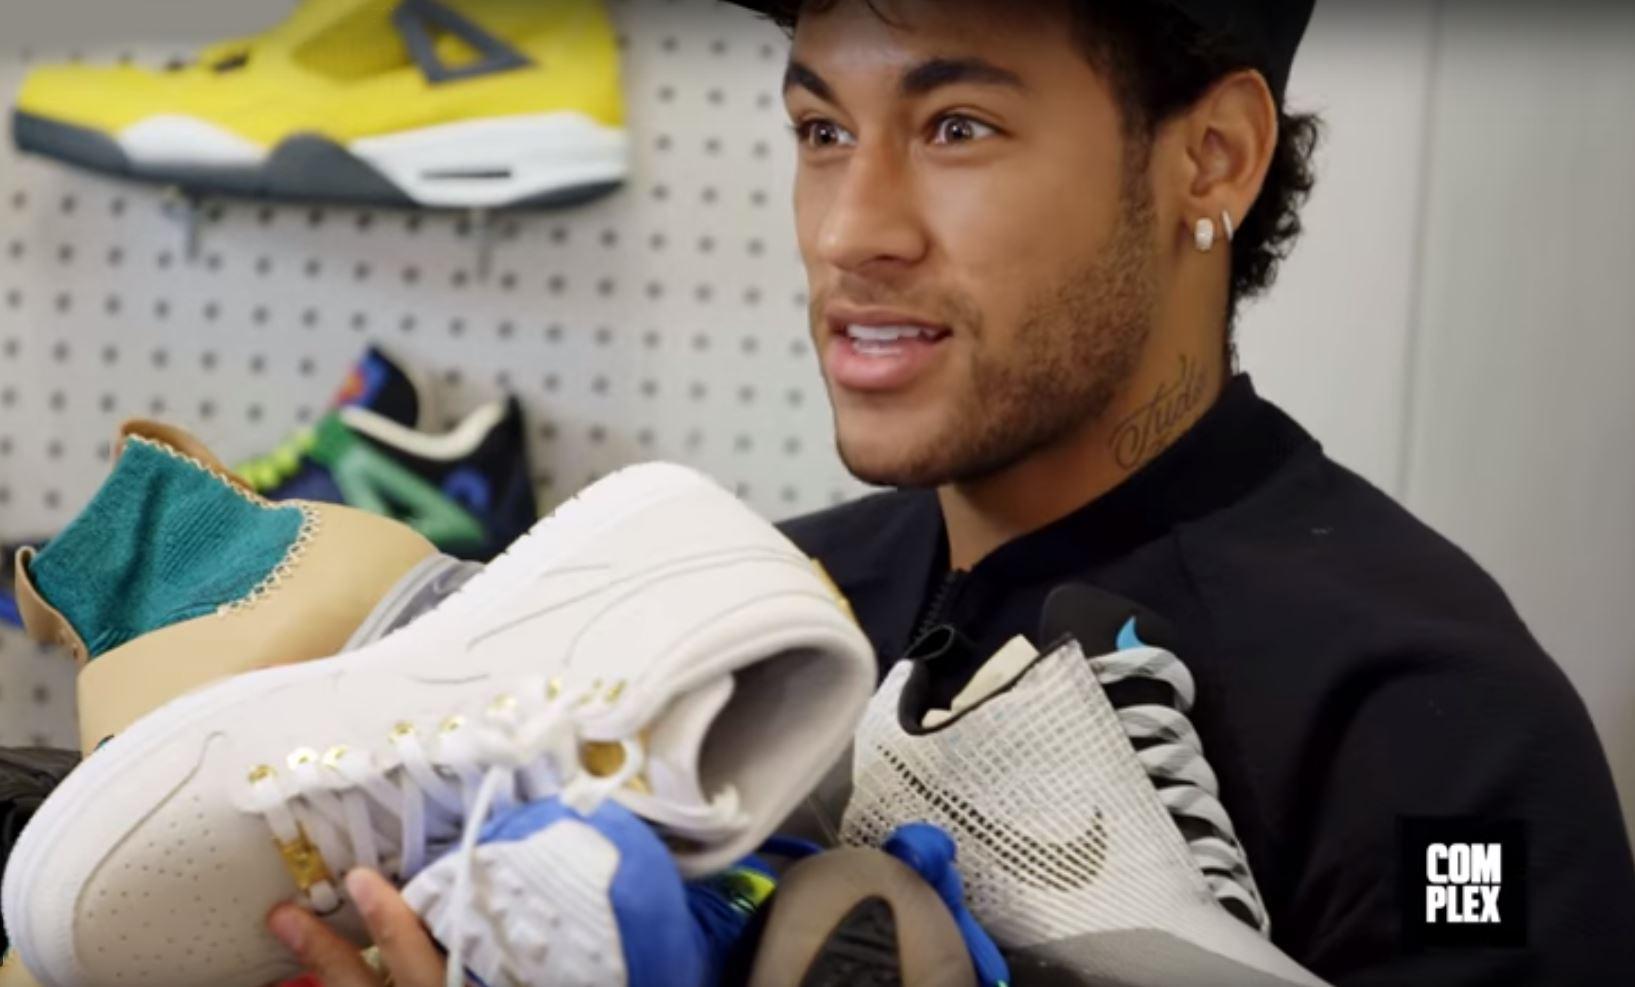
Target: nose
pixel 872 221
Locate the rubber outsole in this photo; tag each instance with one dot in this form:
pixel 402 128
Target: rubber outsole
pixel 305 168
pixel 857 917
pixel 861 952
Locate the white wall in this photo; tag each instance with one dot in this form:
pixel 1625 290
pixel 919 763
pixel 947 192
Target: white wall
pixel 1330 341
pixel 1522 446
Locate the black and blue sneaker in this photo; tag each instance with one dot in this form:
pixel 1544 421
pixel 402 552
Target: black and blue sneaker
pixel 467 490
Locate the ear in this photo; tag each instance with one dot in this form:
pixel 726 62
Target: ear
pixel 1230 136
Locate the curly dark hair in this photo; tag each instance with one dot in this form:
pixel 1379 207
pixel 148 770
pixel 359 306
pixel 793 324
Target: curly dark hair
pixel 1159 63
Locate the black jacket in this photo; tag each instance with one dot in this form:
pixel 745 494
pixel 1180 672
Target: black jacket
pixel 1353 668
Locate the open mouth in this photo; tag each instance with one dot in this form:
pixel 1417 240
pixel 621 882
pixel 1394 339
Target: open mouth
pixel 887 341
pixel 883 354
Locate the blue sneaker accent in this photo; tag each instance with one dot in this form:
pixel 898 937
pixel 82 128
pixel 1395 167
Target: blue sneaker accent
pixel 662 943
pixel 311 482
pixel 468 488
pixel 725 907
pixel 374 371
pixel 930 851
pixel 1128 638
pixel 791 847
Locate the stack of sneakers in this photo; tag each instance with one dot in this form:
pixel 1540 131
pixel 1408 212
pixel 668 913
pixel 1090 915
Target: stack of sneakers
pixel 177 574
pixel 1093 840
pixel 652 646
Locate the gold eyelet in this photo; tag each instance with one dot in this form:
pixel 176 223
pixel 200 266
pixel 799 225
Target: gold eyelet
pixel 303 861
pixel 301 757
pixel 261 773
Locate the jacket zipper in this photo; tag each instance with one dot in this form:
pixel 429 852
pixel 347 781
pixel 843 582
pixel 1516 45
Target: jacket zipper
pixel 935 613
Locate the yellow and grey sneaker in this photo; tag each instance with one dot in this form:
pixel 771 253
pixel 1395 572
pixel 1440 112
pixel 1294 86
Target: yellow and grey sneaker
pixel 176 574
pixel 448 103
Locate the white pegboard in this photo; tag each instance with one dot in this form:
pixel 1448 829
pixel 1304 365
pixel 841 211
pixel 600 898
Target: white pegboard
pixel 666 321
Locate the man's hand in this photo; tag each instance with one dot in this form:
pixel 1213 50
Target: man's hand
pixel 410 956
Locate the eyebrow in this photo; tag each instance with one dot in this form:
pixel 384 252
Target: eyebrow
pixel 798 75
pixel 924 78
pixel 935 73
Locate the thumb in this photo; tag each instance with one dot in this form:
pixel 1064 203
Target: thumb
pixel 332 959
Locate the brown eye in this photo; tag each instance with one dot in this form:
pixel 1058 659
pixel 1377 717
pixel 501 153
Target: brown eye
pixel 957 129
pixel 820 134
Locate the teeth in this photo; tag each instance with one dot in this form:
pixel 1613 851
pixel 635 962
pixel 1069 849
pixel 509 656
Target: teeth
pixel 867 347
pixel 887 334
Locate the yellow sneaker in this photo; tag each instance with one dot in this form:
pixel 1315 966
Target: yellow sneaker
pixel 451 103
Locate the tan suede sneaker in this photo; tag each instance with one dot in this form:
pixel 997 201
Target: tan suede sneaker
pixel 302 594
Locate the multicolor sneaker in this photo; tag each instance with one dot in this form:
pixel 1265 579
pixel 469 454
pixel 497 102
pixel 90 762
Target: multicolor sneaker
pixel 468 490
pixel 176 574
pixel 444 103
pixel 653 640
pixel 553 894
pixel 860 917
pixel 1093 840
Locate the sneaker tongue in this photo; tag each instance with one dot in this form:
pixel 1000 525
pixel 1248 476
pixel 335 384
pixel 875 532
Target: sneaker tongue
pixel 676 743
pixel 1001 668
pixel 386 387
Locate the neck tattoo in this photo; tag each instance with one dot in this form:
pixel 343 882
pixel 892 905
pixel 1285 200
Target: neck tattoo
pixel 1154 425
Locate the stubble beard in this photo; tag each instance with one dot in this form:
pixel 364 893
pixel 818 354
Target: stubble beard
pixel 1069 360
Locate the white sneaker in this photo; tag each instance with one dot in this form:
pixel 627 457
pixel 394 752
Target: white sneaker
pixel 653 636
pixel 1072 858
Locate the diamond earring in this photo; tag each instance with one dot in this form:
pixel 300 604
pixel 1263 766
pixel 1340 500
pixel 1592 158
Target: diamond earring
pixel 1204 236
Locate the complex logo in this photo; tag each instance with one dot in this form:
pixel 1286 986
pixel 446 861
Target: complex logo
pixel 1463 882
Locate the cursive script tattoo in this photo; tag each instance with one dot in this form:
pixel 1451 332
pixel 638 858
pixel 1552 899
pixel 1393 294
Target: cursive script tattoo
pixel 1152 426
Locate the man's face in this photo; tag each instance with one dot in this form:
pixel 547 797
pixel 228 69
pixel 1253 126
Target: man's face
pixel 979 243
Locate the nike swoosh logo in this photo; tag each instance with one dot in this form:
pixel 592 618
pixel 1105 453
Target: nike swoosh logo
pixel 1055 866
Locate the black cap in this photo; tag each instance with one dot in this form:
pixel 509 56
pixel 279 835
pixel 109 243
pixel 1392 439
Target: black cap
pixel 1269 31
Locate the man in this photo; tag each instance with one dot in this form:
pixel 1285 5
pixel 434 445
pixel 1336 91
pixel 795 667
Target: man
pixel 1005 214
pixel 1027 230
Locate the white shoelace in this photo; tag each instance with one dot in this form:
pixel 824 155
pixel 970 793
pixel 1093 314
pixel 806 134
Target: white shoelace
pixel 1175 754
pixel 399 813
